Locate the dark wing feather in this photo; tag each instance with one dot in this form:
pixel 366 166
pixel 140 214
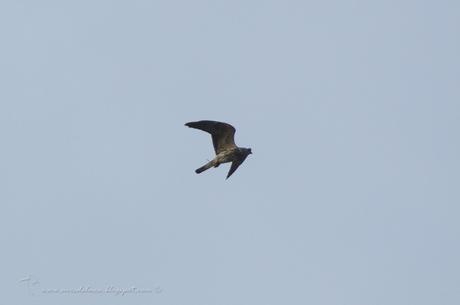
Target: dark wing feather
pixel 223 134
pixel 235 165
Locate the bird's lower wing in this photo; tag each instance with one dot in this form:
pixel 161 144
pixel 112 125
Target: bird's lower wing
pixel 235 165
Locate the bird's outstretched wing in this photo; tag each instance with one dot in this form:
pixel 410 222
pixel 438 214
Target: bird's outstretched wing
pixel 223 134
pixel 235 165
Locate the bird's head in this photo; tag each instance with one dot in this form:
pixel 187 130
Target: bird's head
pixel 248 151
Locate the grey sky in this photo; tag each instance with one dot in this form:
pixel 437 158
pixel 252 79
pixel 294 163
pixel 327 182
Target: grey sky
pixel 352 110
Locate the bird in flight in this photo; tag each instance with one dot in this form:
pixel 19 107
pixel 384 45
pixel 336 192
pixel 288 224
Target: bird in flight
pixel 223 139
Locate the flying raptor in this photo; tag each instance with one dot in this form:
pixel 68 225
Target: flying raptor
pixel 223 139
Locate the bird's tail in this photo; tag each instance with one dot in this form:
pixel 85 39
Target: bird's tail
pixel 205 167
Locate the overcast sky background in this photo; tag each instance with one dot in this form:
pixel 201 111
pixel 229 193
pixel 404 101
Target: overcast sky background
pixel 351 108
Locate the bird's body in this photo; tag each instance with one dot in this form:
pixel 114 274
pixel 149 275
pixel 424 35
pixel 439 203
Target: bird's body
pixel 229 155
pixel 224 145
